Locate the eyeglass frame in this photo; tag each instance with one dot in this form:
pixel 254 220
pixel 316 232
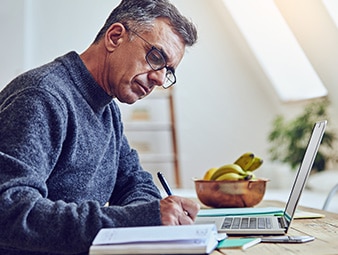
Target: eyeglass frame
pixel 169 70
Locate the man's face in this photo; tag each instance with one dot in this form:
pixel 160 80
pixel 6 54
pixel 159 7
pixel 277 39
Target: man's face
pixel 129 76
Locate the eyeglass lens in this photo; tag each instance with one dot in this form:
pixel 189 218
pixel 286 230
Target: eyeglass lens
pixel 157 62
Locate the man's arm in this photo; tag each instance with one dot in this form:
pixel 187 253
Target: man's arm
pixel 29 150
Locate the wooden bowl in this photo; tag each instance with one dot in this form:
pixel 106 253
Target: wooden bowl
pixel 241 193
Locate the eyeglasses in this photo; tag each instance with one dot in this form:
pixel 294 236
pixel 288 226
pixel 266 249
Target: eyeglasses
pixel 157 61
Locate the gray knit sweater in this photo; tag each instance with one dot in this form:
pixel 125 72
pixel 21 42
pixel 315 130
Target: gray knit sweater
pixel 63 155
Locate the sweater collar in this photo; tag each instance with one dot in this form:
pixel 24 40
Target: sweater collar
pixel 84 81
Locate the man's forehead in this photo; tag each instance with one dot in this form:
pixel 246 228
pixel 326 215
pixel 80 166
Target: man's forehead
pixel 165 38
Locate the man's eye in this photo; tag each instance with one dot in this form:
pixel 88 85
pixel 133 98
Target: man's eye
pixel 156 58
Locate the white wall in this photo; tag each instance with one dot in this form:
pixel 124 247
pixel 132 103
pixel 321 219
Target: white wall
pixel 222 106
pixel 12 39
pixel 224 102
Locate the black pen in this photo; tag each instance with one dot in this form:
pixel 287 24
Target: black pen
pixel 167 187
pixel 164 183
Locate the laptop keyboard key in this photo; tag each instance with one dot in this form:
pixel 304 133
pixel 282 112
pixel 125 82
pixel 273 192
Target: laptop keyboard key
pixel 245 223
pixel 227 223
pixel 236 223
pixel 253 223
pixel 261 223
pixel 268 223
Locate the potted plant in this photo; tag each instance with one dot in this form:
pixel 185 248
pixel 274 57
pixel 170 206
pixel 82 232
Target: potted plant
pixel 289 138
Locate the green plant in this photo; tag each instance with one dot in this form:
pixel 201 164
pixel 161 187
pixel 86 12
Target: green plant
pixel 289 138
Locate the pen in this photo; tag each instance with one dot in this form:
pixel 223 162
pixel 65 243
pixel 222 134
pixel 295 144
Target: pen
pixel 167 187
pixel 164 183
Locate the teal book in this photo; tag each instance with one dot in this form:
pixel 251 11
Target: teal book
pixel 238 243
pixel 241 211
pixel 248 211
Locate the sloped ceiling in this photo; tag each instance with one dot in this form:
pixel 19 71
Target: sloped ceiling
pixel 276 46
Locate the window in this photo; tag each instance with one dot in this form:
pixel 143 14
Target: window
pixel 332 8
pixel 276 49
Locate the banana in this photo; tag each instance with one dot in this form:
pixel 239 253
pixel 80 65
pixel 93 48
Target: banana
pixel 230 168
pixel 240 170
pixel 230 177
pixel 245 160
pixel 209 173
pixel 256 163
pixel 250 176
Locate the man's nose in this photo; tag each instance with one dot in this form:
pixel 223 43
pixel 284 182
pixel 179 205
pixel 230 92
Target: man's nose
pixel 158 77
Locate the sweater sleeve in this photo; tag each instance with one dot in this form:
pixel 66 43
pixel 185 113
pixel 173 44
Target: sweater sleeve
pixel 29 150
pixel 134 185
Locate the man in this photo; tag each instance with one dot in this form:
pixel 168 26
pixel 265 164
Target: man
pixel 63 154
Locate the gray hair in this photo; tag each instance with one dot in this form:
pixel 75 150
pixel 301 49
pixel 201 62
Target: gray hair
pixel 138 16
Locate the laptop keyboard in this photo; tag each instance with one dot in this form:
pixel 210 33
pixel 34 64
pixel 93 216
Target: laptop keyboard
pixel 247 223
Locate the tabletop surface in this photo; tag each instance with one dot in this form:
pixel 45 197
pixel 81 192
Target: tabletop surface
pixel 325 230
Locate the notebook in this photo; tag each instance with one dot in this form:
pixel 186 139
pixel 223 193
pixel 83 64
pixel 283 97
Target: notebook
pixel 260 225
pixel 181 239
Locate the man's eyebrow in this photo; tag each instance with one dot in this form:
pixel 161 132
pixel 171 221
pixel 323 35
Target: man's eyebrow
pixel 166 58
pixel 165 55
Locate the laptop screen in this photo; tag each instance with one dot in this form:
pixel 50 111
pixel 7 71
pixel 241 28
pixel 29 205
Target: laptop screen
pixel 304 170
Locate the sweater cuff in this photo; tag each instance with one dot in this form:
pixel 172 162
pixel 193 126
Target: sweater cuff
pixel 148 214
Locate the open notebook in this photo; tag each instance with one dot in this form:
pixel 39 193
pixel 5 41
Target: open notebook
pixel 244 225
pixel 182 239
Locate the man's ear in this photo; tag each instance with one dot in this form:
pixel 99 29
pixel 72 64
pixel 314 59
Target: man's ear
pixel 114 36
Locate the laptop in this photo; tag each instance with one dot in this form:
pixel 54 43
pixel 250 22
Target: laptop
pixel 273 225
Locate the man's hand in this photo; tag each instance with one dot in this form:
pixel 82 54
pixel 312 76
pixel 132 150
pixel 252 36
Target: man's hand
pixel 178 210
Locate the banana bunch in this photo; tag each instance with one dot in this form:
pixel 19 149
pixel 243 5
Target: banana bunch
pixel 241 169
